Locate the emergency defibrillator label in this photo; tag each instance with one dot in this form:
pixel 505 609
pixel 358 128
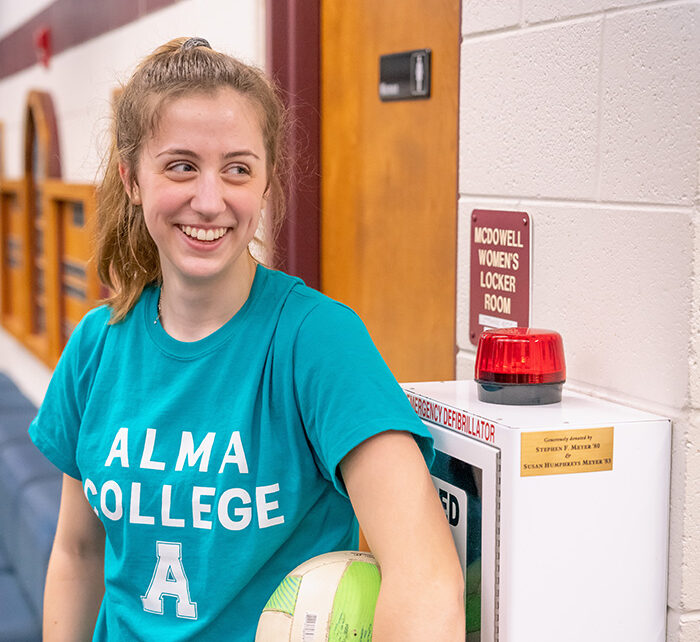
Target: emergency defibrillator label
pixel 558 452
pixel 452 418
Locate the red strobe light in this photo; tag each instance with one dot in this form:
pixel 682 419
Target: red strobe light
pixel 520 366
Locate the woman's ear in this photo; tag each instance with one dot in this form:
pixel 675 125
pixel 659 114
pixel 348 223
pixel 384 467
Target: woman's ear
pixel 130 186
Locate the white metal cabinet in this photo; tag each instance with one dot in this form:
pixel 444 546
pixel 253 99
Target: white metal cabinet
pixel 576 556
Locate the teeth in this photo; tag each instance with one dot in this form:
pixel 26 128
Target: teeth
pixel 203 235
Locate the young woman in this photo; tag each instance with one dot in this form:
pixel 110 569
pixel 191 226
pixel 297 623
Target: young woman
pixel 217 421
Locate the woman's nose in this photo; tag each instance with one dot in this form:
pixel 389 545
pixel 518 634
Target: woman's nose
pixel 208 198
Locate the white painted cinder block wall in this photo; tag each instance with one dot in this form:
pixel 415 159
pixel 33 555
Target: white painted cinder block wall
pixel 81 80
pixel 584 113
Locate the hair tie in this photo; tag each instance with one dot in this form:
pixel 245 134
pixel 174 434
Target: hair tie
pixel 195 42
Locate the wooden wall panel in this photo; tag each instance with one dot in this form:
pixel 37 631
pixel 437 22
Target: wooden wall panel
pixel 13 289
pixel 48 280
pixel 73 286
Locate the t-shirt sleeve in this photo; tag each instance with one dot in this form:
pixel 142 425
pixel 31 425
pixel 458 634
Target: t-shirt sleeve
pixel 56 427
pixel 345 391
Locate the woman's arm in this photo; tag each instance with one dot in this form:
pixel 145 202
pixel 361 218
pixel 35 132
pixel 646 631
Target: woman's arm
pixel 75 578
pixel 421 596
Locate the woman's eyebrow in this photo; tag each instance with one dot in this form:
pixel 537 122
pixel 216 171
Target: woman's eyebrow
pixel 191 154
pixel 177 152
pixel 241 152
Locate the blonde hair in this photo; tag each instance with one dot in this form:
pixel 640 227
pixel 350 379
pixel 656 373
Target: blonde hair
pixel 127 257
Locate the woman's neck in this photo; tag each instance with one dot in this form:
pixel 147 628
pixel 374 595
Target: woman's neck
pixel 191 311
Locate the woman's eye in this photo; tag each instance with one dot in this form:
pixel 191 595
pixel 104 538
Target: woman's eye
pixel 238 170
pixel 181 166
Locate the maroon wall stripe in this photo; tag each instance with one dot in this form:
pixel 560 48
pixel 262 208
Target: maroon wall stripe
pixel 293 56
pixel 72 22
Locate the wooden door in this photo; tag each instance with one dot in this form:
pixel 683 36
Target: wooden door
pixel 389 180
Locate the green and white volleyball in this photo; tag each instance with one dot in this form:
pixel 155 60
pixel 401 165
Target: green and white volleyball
pixel 329 598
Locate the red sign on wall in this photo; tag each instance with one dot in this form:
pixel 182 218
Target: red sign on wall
pixel 499 289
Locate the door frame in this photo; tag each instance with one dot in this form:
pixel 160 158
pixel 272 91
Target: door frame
pixel 293 60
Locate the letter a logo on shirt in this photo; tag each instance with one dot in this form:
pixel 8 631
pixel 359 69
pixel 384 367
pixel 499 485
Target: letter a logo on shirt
pixel 169 579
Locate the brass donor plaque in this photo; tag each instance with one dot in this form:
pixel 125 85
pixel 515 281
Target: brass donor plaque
pixel 559 452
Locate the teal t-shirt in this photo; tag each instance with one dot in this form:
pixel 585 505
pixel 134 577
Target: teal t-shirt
pixel 213 465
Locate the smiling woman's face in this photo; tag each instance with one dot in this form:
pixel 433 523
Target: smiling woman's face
pixel 201 181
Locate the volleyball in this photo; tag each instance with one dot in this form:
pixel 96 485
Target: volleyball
pixel 329 598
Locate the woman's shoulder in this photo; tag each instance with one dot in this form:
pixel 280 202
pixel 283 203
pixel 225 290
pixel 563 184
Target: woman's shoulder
pixel 92 331
pixel 97 317
pixel 93 324
pixel 304 303
pixel 99 320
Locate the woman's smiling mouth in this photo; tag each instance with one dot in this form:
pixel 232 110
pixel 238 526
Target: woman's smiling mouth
pixel 200 234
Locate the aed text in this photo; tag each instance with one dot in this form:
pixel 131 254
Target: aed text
pixel 450 506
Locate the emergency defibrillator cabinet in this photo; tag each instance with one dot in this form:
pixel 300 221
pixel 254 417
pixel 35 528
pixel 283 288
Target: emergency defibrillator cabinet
pixel 560 514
